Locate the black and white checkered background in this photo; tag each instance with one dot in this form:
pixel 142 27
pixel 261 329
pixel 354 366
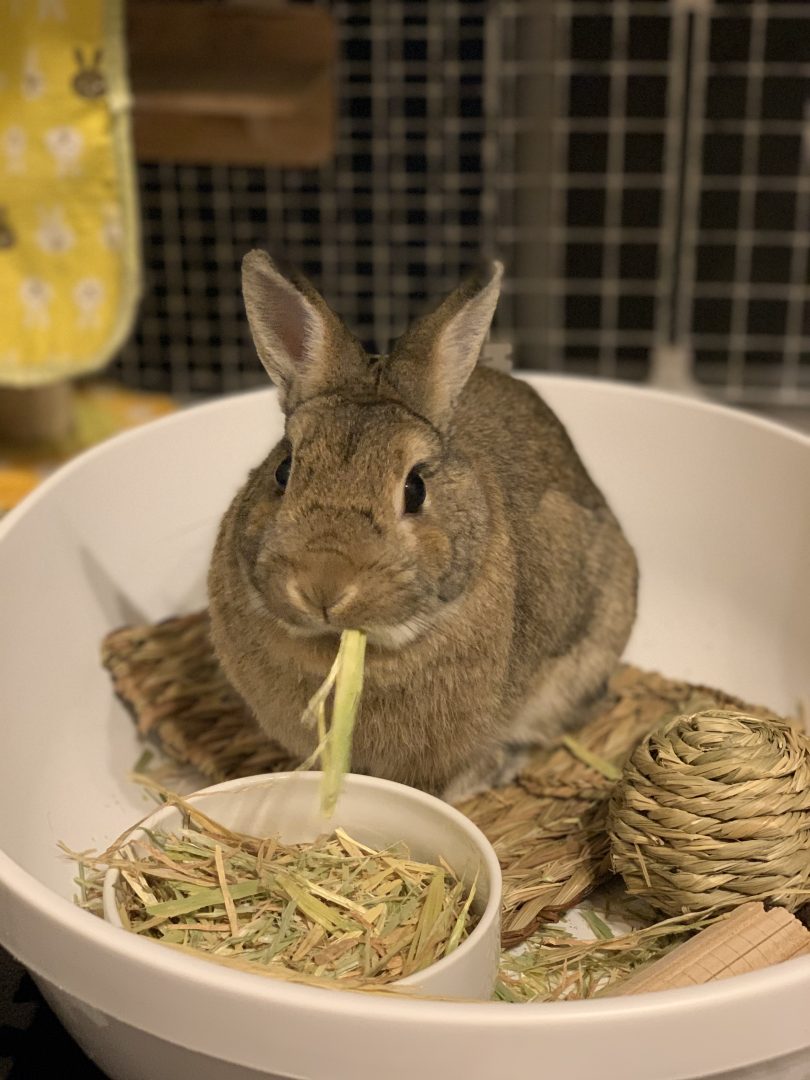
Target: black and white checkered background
pixel 641 166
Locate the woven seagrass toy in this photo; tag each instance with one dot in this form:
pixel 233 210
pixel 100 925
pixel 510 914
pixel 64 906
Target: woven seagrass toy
pixel 714 809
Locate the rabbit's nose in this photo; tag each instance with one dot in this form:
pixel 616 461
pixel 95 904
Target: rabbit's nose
pixel 324 590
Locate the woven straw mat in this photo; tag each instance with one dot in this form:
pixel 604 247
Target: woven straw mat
pixel 548 827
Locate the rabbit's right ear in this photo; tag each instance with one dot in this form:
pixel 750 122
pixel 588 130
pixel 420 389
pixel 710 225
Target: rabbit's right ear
pixel 303 345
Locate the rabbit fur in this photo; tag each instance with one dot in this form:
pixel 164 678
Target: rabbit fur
pixel 495 612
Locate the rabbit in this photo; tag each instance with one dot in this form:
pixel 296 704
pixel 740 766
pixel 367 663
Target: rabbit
pixel 437 505
pixel 36 296
pixel 112 227
pixel 54 234
pixel 15 144
pixel 88 296
pixel 33 81
pixel 89 81
pixel 65 144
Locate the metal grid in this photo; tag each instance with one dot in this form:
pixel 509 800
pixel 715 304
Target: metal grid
pixel 640 164
pixel 751 319
pixel 393 220
pixel 676 190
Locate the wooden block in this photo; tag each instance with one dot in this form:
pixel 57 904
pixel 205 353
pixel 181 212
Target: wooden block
pixel 750 938
pixel 238 85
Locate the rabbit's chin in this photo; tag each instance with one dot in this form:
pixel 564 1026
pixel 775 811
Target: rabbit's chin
pixel 397 636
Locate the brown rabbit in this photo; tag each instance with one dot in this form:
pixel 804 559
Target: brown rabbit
pixel 440 507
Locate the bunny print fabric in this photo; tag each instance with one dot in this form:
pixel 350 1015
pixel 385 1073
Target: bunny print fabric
pixel 69 256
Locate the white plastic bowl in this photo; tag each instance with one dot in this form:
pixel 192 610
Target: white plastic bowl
pixel 718 506
pixel 379 813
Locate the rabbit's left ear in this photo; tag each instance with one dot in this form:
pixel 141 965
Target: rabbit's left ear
pixel 430 364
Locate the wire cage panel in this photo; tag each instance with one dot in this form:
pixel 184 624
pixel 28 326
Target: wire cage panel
pixel 641 166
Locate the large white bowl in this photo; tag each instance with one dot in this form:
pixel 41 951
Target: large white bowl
pixel 718 506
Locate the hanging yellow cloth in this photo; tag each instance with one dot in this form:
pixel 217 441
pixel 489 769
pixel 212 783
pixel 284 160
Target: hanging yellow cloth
pixel 69 241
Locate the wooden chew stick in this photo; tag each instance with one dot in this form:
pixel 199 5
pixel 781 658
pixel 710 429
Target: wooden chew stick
pixel 748 939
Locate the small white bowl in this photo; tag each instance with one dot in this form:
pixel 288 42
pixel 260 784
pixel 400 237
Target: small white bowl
pixel 378 813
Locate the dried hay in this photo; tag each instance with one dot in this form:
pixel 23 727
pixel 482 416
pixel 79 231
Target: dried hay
pixel 333 910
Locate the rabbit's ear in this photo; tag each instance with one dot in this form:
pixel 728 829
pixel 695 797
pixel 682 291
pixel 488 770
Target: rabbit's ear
pixel 303 345
pixel 430 364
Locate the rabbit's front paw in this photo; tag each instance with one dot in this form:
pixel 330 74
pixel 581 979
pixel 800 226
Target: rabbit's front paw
pixel 498 770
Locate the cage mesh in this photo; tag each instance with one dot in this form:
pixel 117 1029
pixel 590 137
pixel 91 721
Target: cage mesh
pixel 641 166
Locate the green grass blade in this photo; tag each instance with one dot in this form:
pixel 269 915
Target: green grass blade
pixel 461 922
pixel 203 898
pixel 587 757
pixel 599 927
pixel 348 688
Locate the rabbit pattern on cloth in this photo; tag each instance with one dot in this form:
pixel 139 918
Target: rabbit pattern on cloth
pixel 69 248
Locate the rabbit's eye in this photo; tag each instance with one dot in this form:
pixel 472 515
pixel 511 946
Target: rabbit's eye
pixel 414 492
pixel 283 472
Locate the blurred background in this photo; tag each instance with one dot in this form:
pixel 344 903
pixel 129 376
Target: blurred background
pixel 640 165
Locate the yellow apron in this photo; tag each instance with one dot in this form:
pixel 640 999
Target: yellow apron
pixel 69 232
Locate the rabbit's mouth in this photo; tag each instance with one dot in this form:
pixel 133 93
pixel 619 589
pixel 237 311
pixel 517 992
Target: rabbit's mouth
pixel 384 637
pixel 393 637
pixel 323 607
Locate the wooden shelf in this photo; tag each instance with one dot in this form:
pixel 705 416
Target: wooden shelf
pixel 225 83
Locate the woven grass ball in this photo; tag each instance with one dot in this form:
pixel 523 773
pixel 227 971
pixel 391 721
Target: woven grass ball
pixel 712 809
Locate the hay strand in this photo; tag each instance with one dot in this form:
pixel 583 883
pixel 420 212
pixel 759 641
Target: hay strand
pixel 346 677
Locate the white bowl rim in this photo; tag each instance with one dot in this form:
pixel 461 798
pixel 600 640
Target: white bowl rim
pixel 88 929
pixel 536 379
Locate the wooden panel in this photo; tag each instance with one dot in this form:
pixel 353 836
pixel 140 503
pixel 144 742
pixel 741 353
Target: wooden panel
pixel 215 83
pixel 35 413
